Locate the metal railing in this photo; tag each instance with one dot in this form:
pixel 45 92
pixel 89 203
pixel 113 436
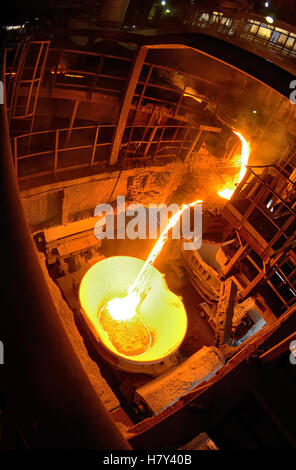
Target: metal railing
pixel 250 31
pixel 80 70
pixel 92 72
pixel 144 142
pixel 86 71
pixel 261 201
pixel 180 92
pixel 54 151
pixel 264 206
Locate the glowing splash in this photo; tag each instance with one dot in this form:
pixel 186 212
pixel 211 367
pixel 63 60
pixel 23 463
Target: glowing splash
pixel 118 317
pixel 126 330
pixel 227 192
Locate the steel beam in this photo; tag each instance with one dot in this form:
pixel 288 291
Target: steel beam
pixel 225 311
pixel 126 103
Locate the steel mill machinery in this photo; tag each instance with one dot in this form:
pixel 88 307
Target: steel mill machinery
pixel 196 353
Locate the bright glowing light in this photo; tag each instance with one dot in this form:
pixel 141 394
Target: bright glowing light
pixel 163 2
pixel 141 280
pixel 244 156
pixel 125 329
pixel 123 308
pixel 266 4
pixel 161 309
pixel 192 96
pixel 269 19
pixel 118 317
pixel 73 75
pixel 227 192
pixel 18 26
pixel 168 10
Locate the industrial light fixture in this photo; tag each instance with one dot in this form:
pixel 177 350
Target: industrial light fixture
pixel 269 19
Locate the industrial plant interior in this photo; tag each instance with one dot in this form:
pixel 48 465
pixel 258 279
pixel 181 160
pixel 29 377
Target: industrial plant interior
pixel 137 343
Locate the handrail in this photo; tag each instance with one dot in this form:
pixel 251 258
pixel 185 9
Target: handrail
pixel 274 193
pixel 276 167
pixel 93 143
pixel 237 32
pixel 96 73
pixel 54 402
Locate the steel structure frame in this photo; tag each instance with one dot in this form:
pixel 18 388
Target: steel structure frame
pixel 255 200
pixel 179 145
pixel 29 77
pixel 53 75
pixel 246 31
pixel 83 407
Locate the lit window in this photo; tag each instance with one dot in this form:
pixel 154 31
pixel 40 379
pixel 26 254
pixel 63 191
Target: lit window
pixel 282 39
pixel 290 42
pixel 204 17
pixel 254 29
pixel 18 26
pixel 264 32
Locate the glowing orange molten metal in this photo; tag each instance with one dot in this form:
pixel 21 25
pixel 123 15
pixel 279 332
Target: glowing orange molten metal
pixel 130 335
pixel 161 311
pixel 227 192
pixel 139 284
pixel 119 318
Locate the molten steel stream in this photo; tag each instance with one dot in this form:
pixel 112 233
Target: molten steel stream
pixel 227 192
pixel 118 317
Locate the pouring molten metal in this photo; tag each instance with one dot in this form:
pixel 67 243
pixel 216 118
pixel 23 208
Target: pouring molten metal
pixel 160 310
pixel 227 192
pixel 119 317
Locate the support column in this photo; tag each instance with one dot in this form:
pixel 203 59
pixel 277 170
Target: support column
pixel 225 311
pixel 73 116
pixel 126 103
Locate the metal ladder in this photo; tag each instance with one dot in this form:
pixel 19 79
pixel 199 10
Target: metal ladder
pixel 24 83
